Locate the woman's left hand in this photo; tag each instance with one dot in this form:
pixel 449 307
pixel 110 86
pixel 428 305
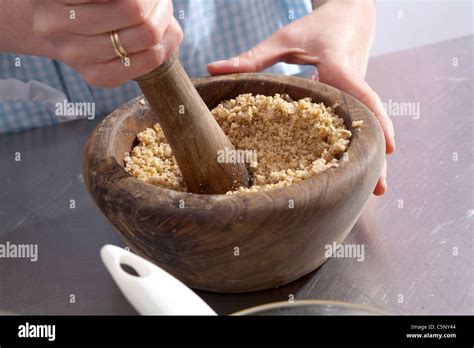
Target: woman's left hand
pixel 336 38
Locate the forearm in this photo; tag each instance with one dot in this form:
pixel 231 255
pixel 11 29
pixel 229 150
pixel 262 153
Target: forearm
pixel 16 30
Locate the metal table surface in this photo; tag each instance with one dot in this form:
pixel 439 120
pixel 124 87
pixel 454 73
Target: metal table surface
pixel 418 238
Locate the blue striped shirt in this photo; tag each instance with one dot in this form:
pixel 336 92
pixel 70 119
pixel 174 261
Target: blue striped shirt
pixel 31 87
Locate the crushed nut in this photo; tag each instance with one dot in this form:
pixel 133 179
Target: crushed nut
pixel 294 140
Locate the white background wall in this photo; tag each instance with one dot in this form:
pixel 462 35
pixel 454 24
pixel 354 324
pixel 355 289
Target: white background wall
pixel 423 22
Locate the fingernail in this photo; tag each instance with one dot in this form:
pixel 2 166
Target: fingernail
pixel 391 130
pixel 384 177
pixel 219 62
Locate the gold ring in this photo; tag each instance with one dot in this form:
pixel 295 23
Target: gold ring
pixel 118 47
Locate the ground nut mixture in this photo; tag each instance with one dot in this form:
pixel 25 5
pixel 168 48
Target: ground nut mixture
pixel 293 140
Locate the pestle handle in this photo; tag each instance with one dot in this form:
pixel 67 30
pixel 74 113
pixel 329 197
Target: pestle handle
pixel 192 132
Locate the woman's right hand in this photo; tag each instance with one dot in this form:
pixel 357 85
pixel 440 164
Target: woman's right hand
pixel 78 32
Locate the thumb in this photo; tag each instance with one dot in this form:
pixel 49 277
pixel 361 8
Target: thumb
pixel 260 57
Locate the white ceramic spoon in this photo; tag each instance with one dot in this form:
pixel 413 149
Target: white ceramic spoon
pixel 153 291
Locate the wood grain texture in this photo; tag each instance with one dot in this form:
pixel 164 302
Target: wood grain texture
pixel 276 244
pixel 192 132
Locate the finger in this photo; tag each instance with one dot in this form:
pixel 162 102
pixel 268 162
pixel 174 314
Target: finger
pixel 381 186
pixel 97 18
pixel 373 102
pixel 360 89
pixel 99 48
pixel 79 2
pixel 114 73
pixel 92 18
pixel 151 31
pixel 260 57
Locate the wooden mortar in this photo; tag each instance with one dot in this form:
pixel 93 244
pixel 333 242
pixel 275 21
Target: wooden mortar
pixel 243 242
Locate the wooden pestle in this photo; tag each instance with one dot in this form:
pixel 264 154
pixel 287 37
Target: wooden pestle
pixel 193 134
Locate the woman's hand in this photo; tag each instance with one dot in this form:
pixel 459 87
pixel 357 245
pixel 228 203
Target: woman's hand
pixel 78 34
pixel 335 37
